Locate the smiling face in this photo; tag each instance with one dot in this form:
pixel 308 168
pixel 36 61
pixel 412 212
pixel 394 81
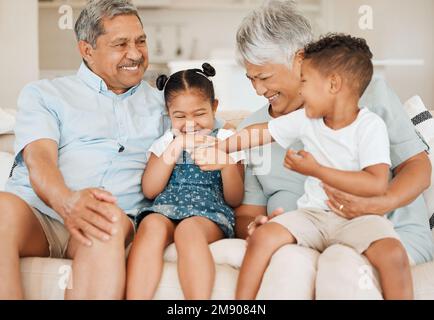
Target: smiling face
pixel 120 56
pixel 315 91
pixel 277 83
pixel 190 111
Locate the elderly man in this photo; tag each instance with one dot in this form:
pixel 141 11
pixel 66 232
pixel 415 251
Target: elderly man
pixel 81 145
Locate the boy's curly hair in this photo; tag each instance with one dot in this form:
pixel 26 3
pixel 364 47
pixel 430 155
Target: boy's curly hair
pixel 347 55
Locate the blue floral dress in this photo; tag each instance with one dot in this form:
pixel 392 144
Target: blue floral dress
pixel 193 192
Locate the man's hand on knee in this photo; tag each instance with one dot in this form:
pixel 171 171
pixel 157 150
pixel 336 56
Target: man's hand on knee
pixel 91 213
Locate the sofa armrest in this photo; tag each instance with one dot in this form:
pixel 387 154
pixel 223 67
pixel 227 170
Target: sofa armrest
pixel 7 143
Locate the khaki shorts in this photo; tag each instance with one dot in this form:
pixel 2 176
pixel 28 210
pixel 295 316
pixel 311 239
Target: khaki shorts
pixel 55 232
pixel 319 229
pixel 57 235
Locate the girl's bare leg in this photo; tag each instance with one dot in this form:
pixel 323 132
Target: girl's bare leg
pixel 196 268
pixel 145 262
pixel 264 242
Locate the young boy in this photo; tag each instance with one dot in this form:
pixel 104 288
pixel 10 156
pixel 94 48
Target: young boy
pixel 347 147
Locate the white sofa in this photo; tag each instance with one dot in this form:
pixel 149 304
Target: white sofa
pixel 43 278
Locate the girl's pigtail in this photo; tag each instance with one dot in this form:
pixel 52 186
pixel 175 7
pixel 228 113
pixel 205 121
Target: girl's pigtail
pixel 208 70
pixel 161 82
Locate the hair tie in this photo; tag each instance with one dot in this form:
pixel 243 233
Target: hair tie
pixel 161 82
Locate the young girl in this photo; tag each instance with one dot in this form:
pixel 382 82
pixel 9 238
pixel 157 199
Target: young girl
pixel 191 207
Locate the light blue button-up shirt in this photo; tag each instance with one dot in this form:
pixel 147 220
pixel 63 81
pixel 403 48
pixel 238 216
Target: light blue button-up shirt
pixel 102 137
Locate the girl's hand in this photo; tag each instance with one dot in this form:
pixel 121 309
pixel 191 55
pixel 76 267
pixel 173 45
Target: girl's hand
pixel 302 162
pixel 211 158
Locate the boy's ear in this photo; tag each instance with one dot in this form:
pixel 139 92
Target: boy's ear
pixel 215 105
pixel 300 54
pixel 335 83
pixel 298 58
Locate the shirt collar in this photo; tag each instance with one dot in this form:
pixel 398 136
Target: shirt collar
pixel 97 83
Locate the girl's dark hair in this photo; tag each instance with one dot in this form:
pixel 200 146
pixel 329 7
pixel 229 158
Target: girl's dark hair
pixel 186 80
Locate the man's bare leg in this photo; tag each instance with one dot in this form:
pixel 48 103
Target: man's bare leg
pixel 98 271
pixel 263 243
pixel 21 235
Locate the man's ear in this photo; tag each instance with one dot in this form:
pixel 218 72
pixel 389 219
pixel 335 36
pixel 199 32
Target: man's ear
pixel 86 51
pixel 215 105
pixel 335 83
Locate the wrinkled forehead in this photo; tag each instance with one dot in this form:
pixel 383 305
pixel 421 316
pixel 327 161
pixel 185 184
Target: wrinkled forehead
pixel 126 27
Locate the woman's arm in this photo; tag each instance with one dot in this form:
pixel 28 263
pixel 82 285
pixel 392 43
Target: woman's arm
pixel 159 169
pixel 233 184
pixel 411 178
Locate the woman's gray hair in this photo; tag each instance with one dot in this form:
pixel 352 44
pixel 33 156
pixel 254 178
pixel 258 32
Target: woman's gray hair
pixel 89 25
pixel 273 33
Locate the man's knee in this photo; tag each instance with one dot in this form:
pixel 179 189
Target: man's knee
pixel 14 214
pixel 116 242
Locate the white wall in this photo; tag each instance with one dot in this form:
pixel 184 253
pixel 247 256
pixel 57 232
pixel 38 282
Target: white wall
pixel 197 32
pixel 403 29
pixel 19 55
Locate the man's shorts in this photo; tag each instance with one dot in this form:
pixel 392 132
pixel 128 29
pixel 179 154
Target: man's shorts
pixel 56 233
pixel 319 229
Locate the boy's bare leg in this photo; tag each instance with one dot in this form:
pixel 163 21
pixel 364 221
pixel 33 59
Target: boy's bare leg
pixel 145 262
pixel 389 257
pixel 264 242
pixel 196 267
pixel 98 272
pixel 21 235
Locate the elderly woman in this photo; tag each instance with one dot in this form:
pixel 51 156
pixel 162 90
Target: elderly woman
pixel 269 42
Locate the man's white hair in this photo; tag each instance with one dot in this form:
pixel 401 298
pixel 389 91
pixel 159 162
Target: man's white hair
pixel 273 33
pixel 89 25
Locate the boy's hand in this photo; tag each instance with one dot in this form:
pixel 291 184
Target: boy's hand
pixel 211 158
pixel 302 162
pixel 190 141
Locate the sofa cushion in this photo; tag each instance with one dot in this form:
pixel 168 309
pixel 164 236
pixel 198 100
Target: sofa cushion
pixel 44 278
pixel 424 123
pixel 225 251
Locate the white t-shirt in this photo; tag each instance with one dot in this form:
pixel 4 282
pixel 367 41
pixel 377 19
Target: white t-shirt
pixel 362 144
pixel 160 145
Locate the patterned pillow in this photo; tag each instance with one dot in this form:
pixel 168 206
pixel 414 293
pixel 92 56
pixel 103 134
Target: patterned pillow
pixel 424 123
